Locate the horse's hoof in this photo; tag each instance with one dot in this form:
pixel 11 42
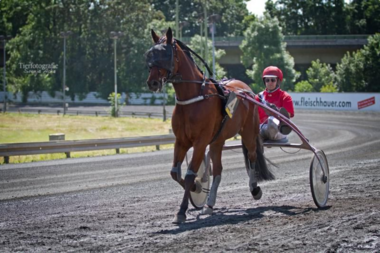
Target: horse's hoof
pixel 179 218
pixel 207 210
pixel 257 193
pixel 198 186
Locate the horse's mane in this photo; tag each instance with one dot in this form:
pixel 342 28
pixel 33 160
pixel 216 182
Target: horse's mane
pixel 186 50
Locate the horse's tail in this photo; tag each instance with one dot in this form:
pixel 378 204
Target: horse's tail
pixel 261 168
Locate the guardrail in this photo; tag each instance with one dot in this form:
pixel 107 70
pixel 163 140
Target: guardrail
pixel 33 148
pixel 100 112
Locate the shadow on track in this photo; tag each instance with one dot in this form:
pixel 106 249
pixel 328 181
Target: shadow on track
pixel 223 216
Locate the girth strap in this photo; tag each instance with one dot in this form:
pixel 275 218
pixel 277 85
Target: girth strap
pixel 220 129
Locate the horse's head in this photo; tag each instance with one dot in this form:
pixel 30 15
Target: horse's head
pixel 160 60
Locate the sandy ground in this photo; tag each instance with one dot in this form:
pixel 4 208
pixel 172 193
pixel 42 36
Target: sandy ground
pixel 127 202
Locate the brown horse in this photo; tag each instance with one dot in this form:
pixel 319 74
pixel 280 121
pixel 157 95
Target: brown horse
pixel 197 119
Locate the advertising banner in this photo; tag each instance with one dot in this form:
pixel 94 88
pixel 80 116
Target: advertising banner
pixel 337 101
pixel 311 101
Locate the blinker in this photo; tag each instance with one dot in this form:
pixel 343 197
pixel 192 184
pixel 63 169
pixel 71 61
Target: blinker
pixel 160 56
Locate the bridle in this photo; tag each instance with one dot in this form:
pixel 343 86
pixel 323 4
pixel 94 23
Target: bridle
pixel 162 57
pixel 167 63
pixel 172 77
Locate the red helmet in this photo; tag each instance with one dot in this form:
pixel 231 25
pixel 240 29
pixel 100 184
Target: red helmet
pixel 273 71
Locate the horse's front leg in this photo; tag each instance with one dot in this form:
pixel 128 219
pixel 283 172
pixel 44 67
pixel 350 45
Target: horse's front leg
pixel 216 157
pixel 180 151
pixel 191 174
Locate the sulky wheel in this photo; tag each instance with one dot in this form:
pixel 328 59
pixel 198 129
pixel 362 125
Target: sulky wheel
pixel 319 179
pixel 199 197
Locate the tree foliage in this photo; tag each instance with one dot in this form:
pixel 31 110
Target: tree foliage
pixel 371 55
pixel 359 71
pixel 329 88
pixel 197 45
pixel 309 16
pixel 263 45
pixel 363 16
pixel 349 73
pixel 89 50
pixel 320 74
pixel 303 86
pixel 191 15
pixel 14 15
pixel 321 17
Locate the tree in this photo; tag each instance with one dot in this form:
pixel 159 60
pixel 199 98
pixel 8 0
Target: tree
pixel 320 17
pixel 232 13
pixel 363 16
pixel 329 88
pixel 303 86
pixel 371 56
pixel 197 45
pixel 34 46
pixel 309 16
pixel 359 72
pixel 263 45
pixel 14 15
pixel 349 73
pixel 320 74
pixel 90 50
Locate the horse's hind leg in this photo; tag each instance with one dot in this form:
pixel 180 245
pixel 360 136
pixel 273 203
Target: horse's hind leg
pixel 216 157
pixel 249 134
pixel 255 161
pixel 250 158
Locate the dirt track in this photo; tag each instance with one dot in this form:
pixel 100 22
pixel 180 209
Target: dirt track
pixel 127 202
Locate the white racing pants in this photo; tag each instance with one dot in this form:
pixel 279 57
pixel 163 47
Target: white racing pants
pixel 270 130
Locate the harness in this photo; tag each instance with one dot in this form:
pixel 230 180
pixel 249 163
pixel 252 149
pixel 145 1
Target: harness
pixel 163 56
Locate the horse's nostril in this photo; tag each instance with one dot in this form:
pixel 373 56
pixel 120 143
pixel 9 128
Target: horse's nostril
pixel 153 84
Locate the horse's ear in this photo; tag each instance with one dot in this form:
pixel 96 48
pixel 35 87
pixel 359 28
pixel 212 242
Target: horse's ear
pixel 169 36
pixel 154 36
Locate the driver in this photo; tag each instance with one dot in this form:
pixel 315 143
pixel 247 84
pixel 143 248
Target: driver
pixel 270 127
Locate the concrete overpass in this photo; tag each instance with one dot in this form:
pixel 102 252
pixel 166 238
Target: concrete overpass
pixel 304 49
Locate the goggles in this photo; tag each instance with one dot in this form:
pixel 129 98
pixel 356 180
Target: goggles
pixel 267 80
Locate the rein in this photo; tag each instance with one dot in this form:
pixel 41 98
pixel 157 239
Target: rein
pixel 178 78
pixel 183 46
pixel 175 78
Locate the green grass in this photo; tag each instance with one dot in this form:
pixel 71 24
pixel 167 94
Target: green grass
pixel 21 128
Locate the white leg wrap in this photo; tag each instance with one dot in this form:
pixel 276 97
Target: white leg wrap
pixel 178 171
pixel 252 177
pixel 214 188
pixel 190 172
